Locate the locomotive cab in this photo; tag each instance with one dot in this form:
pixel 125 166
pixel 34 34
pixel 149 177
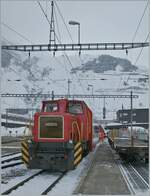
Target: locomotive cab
pixel 61 135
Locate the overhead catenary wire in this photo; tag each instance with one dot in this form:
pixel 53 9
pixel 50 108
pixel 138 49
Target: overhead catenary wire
pixel 139 23
pixel 78 79
pixel 55 15
pixel 71 40
pixel 141 50
pixel 19 34
pixel 63 21
pixel 138 56
pixel 134 36
pixel 60 43
pixel 54 32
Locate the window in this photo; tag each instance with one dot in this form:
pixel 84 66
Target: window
pixel 75 108
pixel 51 107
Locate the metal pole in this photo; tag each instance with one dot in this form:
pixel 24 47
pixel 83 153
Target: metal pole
pixel 131 119
pixel 52 95
pixel 69 81
pixel 6 119
pixel 122 116
pixel 79 33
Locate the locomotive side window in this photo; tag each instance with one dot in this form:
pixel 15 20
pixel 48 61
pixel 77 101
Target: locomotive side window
pixel 75 108
pixel 51 107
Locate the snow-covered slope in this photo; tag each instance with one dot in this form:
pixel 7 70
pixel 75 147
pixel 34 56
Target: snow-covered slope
pixel 42 73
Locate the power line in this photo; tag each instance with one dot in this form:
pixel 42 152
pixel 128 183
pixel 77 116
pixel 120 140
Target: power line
pixel 138 26
pixel 54 32
pixel 59 42
pixel 47 19
pixel 63 21
pixel 140 21
pixel 57 25
pixel 44 12
pixel 10 28
pixel 141 50
pixel 139 54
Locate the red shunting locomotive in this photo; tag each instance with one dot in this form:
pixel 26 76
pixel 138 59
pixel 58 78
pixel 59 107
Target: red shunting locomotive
pixel 61 136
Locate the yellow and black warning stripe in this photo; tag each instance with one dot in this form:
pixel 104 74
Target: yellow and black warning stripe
pixel 25 152
pixel 77 153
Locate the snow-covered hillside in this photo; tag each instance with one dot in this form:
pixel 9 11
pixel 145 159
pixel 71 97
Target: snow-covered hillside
pixel 42 73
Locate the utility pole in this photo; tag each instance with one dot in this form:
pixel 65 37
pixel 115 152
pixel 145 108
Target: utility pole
pixel 131 119
pixel 6 119
pixel 69 81
pixel 122 116
pixel 104 110
pixel 52 95
pixel 52 40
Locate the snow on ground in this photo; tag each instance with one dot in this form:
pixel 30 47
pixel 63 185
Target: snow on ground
pixel 14 175
pixel 37 185
pixel 109 82
pixel 14 131
pixel 69 182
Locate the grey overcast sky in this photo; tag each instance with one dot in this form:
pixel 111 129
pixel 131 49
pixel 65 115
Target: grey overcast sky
pixel 101 21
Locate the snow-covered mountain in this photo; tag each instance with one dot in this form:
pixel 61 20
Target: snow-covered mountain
pixel 42 73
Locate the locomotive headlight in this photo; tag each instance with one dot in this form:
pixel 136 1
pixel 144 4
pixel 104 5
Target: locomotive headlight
pixel 70 141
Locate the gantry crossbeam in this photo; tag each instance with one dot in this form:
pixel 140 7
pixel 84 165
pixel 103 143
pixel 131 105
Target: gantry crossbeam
pixel 76 47
pixel 67 96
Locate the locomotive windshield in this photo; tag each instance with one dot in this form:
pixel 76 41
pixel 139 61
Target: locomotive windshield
pixel 75 108
pixel 51 107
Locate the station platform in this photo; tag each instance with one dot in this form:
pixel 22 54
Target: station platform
pixel 104 176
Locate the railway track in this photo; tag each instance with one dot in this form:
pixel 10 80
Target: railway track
pixel 134 180
pixel 7 155
pixel 11 165
pixel 48 189
pixel 53 184
pixel 13 159
pixel 21 183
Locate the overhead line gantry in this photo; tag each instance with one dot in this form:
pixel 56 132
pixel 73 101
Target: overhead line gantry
pixel 67 96
pixel 75 47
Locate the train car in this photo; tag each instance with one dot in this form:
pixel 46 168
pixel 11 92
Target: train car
pixel 61 136
pixel 120 140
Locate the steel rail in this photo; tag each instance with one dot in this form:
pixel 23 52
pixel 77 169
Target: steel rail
pixel 7 155
pixel 53 184
pixel 21 183
pixel 11 159
pixel 134 180
pixel 12 165
pixel 139 175
pixel 125 176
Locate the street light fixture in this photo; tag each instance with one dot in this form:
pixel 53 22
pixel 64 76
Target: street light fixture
pixel 76 23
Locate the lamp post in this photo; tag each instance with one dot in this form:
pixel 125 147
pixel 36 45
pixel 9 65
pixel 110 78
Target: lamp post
pixel 76 23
